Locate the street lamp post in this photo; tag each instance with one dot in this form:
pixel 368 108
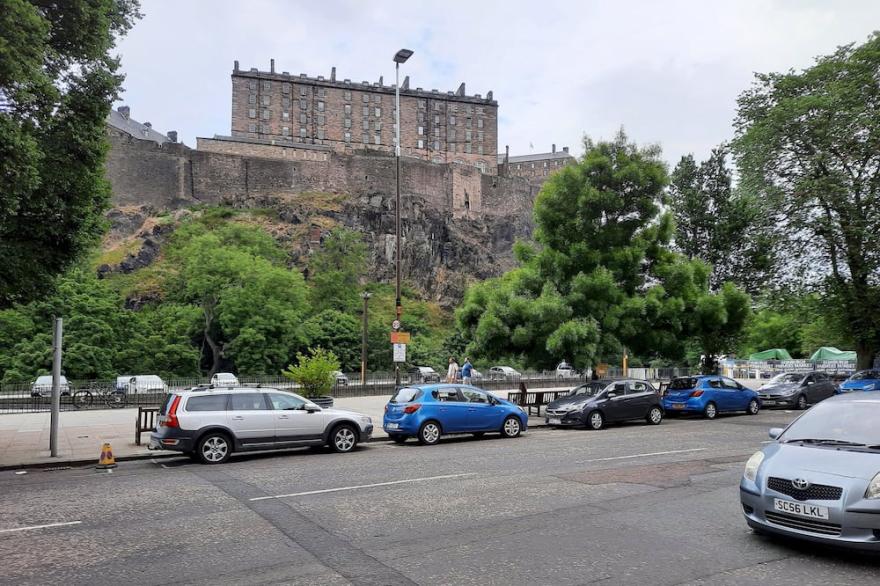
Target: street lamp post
pixel 366 297
pixel 399 57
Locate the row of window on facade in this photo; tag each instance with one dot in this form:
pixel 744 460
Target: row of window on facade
pixel 546 165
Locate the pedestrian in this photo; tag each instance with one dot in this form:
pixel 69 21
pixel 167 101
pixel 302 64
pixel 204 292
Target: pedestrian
pixel 466 371
pixel 452 371
pixel 522 393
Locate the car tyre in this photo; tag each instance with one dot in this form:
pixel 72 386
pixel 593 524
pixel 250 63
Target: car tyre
pixel 511 427
pixel 753 407
pixel 214 448
pixel 398 439
pixel 710 411
pixel 343 438
pixel 801 403
pixel 595 421
pixel 429 433
pixel 655 415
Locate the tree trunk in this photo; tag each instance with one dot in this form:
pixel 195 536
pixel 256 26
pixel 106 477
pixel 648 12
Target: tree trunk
pixel 865 354
pixel 216 354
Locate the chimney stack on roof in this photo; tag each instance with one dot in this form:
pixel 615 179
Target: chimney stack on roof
pixel 564 149
pixel 235 65
pixel 333 73
pixel 405 84
pixel 380 82
pixel 172 135
pixel 125 111
pixel 460 90
pixel 148 125
pixel 554 148
pixel 271 66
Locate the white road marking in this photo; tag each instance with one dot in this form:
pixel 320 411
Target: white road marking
pixel 642 455
pixel 344 488
pixel 33 527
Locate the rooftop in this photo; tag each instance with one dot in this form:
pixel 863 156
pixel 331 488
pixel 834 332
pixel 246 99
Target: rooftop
pixel 121 119
pixel 563 154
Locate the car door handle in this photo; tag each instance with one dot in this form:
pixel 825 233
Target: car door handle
pixel 238 417
pixel 283 417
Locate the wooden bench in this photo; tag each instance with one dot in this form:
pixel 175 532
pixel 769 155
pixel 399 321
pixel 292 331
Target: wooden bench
pixel 535 399
pixel 147 419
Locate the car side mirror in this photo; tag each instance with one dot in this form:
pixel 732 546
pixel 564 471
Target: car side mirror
pixel 809 382
pixel 611 395
pixel 311 407
pixel 775 432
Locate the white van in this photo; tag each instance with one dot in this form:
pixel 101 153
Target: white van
pixel 42 387
pixel 224 379
pixel 140 383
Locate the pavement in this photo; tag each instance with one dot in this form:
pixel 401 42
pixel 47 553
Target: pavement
pixel 629 505
pixel 24 437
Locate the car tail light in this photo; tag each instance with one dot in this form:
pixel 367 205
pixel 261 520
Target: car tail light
pixel 696 393
pixel 411 408
pixel 386 408
pixel 171 418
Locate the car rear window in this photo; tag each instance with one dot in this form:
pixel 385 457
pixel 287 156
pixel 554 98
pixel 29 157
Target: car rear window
pixel 207 403
pixel 406 395
pixel 681 384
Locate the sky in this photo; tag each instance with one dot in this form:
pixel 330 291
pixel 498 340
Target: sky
pixel 667 71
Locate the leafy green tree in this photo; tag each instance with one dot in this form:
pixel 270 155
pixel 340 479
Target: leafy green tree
pixel 809 143
pixel 335 271
pixel 339 333
pixel 314 371
pixel 726 227
pixel 57 81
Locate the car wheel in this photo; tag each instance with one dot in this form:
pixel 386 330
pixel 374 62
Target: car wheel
pixel 711 411
pixel 512 427
pixel 398 439
pixel 595 420
pixel 214 448
pixel 343 439
pixel 429 433
pixel 753 407
pixel 801 403
pixel 655 415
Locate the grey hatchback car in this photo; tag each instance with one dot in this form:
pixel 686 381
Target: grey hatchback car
pixel 820 479
pixel 211 423
pixel 796 389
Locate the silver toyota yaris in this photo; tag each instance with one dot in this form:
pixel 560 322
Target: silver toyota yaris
pixel 820 479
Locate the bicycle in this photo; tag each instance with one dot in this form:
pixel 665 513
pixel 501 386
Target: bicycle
pixel 111 397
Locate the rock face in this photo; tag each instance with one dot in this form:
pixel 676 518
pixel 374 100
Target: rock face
pixel 457 225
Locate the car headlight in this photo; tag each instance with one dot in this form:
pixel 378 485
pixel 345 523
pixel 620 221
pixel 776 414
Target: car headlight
pixel 365 419
pixel 873 491
pixel 752 466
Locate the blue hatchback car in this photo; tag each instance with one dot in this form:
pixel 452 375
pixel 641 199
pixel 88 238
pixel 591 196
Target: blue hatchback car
pixel 864 380
pixel 709 396
pixel 428 411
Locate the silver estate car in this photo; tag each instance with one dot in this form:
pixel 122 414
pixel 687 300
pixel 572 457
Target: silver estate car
pixel 211 423
pixel 820 479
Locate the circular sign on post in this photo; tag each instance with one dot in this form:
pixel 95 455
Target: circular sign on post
pixel 395 325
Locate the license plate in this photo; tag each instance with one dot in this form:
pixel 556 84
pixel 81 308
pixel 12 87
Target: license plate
pixel 766 402
pixel 678 405
pixel 392 426
pixel 801 509
pixel 554 421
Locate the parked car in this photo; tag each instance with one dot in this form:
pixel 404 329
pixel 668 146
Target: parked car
pixel 820 480
pixel 709 396
pixel 210 424
pixel 565 370
pixel 141 383
pixel 42 387
pixel 423 374
pixel 340 379
pixel 796 389
pixel 503 373
pixel 599 402
pixel 476 375
pixel 864 380
pixel 224 379
pixel 429 411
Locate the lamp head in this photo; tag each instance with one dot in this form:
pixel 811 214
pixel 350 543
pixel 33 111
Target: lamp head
pixel 402 55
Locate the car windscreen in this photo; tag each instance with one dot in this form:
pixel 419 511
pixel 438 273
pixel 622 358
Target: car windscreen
pixel 682 384
pixel 588 390
pixel 406 395
pixel 787 378
pixel 837 421
pixel 866 375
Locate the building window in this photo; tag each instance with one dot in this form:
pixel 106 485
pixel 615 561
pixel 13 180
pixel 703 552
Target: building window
pixel 302 90
pixel 252 113
pixel 346 95
pixel 436 106
pixel 264 115
pixel 545 164
pixel 347 109
pixel 377 139
pixel 285 116
pixel 378 112
pixel 303 104
pixel 468 122
pixel 480 110
pixel 252 99
pixel 467 135
pixel 479 136
pixel 322 93
pixel 467 148
pixel 453 147
pixel 285 88
pixel 436 145
pixel 267 85
pixel 320 106
pixel 321 119
pixel 302 132
pixel 420 130
pixel 303 118
pixel 480 149
pixel 450 134
pixel 421 117
pixel 266 100
pixel 436 131
pixel 347 137
pixel 454 107
pixel 252 127
pixel 436 119
pixel 421 144
pixel 365 99
pixel 479 122
pixel 347 123
pixel 264 129
pixel 365 111
pixel 422 104
pixel 377 99
pixel 377 125
pixel 252 84
pixel 365 138
pixel 366 123
pixel 320 134
pixel 285 102
pixel 285 131
pixel 452 120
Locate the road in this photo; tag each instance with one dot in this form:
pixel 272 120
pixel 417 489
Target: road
pixel 632 504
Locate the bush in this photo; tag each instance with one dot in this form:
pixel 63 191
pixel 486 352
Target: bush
pixel 315 373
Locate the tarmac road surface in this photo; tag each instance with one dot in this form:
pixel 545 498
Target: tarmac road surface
pixel 632 504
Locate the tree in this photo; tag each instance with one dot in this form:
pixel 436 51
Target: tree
pixel 339 333
pixel 724 226
pixel 57 82
pixel 314 371
pixel 335 271
pixel 809 143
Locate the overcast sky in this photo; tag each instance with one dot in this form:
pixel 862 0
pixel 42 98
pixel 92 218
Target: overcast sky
pixel 669 71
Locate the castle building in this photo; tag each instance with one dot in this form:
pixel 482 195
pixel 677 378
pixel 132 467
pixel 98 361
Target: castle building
pixel 120 122
pixel 326 114
pixel 534 167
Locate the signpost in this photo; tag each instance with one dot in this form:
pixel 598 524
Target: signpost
pixel 399 352
pixel 400 337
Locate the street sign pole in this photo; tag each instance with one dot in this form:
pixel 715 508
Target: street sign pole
pixel 56 388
